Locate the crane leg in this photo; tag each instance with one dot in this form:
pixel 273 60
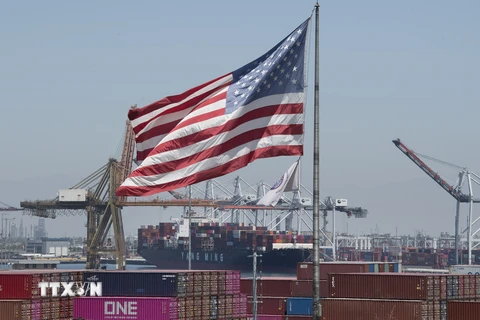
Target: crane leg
pixel 120 246
pixel 457 233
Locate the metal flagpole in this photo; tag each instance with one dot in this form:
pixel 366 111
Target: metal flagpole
pixel 189 227
pixel 316 178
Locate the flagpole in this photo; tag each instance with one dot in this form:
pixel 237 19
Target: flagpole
pixel 189 227
pixel 316 178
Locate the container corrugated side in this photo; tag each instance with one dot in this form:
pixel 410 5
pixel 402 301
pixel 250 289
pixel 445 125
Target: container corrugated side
pixel 23 284
pixel 15 309
pixel 463 310
pixel 265 317
pixel 131 308
pixel 350 309
pixel 268 305
pixel 299 306
pixel 120 283
pixel 305 269
pixel 17 286
pixel 387 286
pixel 268 287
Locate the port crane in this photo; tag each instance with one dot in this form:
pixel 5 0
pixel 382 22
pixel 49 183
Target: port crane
pixel 454 191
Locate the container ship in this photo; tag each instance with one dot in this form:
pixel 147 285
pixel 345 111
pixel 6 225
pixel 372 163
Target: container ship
pixel 226 246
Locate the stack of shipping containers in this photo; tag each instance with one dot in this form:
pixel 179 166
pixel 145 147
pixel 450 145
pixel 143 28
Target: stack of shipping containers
pixel 404 296
pixel 162 294
pixel 291 298
pixel 20 296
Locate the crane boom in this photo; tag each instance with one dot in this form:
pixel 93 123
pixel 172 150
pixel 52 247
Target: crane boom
pixel 454 192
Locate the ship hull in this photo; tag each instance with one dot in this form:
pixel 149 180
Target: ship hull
pixel 274 261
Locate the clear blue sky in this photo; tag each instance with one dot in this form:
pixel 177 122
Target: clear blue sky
pixel 70 70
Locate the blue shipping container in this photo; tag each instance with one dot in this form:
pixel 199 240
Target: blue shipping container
pixel 396 268
pixel 300 306
pixel 140 284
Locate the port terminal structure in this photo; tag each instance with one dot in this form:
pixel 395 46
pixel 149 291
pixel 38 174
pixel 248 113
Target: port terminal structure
pixel 465 176
pixel 95 196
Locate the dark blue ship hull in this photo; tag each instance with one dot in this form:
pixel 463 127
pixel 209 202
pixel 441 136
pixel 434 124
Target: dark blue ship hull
pixel 274 261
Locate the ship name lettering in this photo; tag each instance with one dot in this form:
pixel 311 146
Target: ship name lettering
pixel 216 256
pixel 198 256
pixel 206 256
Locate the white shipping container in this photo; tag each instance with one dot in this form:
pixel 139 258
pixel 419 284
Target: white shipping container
pixel 464 269
pixel 72 195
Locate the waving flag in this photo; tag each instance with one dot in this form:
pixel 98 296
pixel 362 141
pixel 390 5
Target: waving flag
pixel 224 124
pixel 288 182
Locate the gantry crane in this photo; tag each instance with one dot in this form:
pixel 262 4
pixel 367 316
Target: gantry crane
pixel 454 191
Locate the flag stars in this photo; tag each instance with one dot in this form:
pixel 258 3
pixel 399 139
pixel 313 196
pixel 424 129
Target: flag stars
pixel 299 31
pixel 289 63
pixel 265 82
pixel 294 69
pixel 287 76
pixel 280 83
pixel 237 92
pixel 298 44
pixel 263 72
pixel 243 85
pixel 282 71
pixel 250 88
pixel 294 81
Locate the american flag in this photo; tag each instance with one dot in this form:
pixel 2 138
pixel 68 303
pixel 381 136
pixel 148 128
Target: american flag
pixel 224 124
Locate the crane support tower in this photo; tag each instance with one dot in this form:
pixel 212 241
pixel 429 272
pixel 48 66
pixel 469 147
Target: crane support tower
pixel 455 192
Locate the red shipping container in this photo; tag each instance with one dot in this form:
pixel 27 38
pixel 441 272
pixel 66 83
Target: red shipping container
pixel 24 284
pixel 268 287
pixel 15 309
pixel 463 310
pixel 305 269
pixel 349 309
pixel 103 308
pixel 304 288
pixel 268 305
pixel 387 286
